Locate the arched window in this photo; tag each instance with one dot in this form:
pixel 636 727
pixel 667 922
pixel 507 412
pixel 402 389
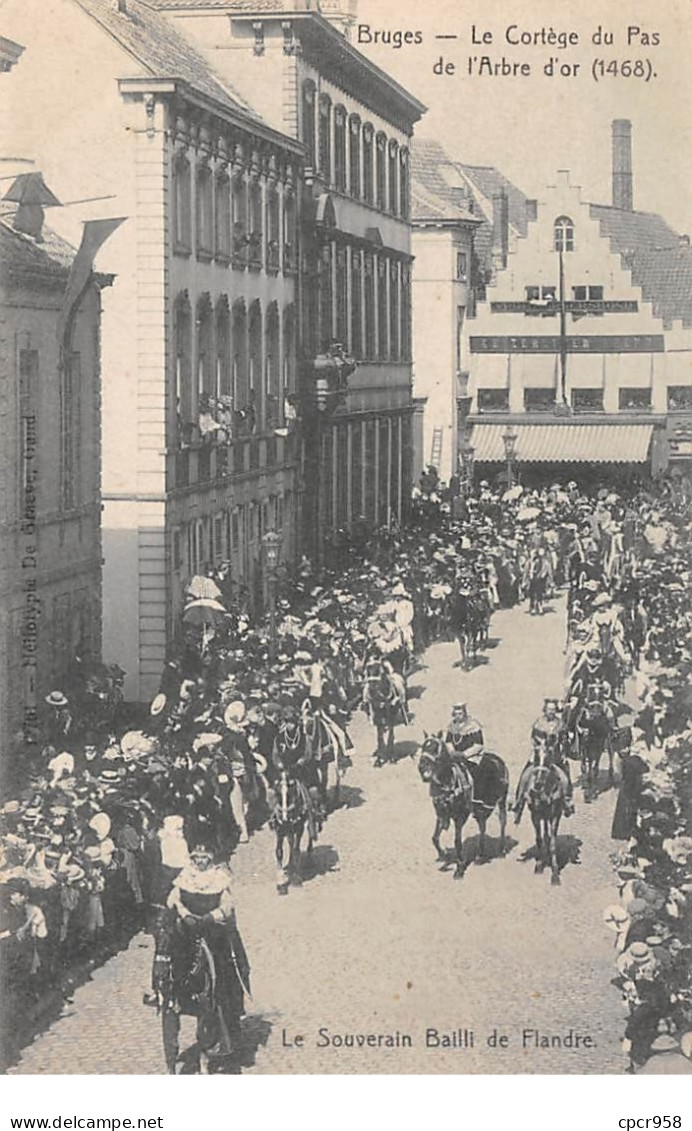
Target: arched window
pixel 404 193
pixel 223 349
pixel 255 369
pixel 368 165
pixel 255 234
pixel 182 375
pixel 290 233
pixel 272 370
pixel 356 302
pixel 308 123
pixel 205 360
pixel 340 148
pixel 564 234
pixel 381 171
pixel 182 205
pixel 326 137
pixel 204 208
pixel 222 217
pixel 239 216
pixel 273 227
pixel 239 390
pixel 393 177
pixel 354 155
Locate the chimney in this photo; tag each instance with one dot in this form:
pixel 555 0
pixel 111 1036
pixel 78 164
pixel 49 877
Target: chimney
pixel 500 230
pixel 622 164
pixel 31 195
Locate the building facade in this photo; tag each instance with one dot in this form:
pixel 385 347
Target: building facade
pixel 50 524
pixel 444 224
pixel 200 329
pixel 295 64
pixel 582 343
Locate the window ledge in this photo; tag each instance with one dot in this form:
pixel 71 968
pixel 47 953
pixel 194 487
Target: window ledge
pixel 204 255
pixel 184 252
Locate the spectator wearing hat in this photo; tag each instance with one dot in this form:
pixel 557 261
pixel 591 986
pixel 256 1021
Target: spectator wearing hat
pixel 632 771
pixel 31 935
pixel 58 719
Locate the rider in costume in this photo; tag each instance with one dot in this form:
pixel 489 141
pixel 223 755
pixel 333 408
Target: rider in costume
pixel 464 737
pixel 546 733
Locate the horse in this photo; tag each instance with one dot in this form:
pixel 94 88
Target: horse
pixel 466 624
pixel 293 813
pixel 460 788
pixel 546 795
pixel 594 733
pixel 200 971
pixel 326 742
pixel 384 699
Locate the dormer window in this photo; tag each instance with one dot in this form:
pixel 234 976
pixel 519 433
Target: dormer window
pixel 563 234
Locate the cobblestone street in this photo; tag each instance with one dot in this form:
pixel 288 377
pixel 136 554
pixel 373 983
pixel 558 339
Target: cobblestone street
pixel 378 940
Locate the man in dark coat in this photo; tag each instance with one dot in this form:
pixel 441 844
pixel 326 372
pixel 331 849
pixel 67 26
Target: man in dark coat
pixel 633 769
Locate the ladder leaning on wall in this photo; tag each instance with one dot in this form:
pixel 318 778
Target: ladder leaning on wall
pixel 436 450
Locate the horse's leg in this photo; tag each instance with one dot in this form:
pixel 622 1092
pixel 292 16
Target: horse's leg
pixel 295 858
pixel 441 854
pixel 458 848
pixel 611 772
pixel 380 743
pixel 502 813
pixel 552 832
pixel 390 738
pixel 540 862
pixel 170 1029
pixel 481 822
pixel 281 872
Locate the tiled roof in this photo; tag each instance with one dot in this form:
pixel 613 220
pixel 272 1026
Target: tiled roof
pixel 491 182
pixel 161 50
pixel 19 252
pixel 432 196
pixel 660 264
pixel 569 442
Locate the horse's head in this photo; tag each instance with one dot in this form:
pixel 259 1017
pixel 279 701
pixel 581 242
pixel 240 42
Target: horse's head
pixel 432 752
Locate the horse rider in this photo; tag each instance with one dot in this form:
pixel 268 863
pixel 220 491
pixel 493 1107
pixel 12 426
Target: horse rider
pixel 547 734
pixel 375 665
pixel 464 737
pixel 403 615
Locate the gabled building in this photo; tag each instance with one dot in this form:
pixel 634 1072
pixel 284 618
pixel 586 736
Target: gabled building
pixel 293 61
pixel 200 329
pixel 580 352
pixel 50 507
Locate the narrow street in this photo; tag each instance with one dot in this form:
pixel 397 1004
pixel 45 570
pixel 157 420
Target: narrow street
pixel 378 940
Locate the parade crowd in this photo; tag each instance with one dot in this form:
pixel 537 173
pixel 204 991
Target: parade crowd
pixel 110 824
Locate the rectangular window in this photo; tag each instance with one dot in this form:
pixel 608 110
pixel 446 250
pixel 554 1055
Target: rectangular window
pixel 587 400
pixel 493 400
pixel 222 218
pixel 354 156
pixel 533 294
pixel 539 400
pixel 680 398
pixel 370 341
pixel 182 205
pixel 368 169
pixel 394 310
pixel 204 204
pixel 404 194
pixel 341 296
pixel 326 296
pixel 393 178
pixel 634 400
pixel 549 294
pixel 406 313
pixel 579 294
pixel 340 148
pixel 325 139
pixel 382 309
pixel 462 266
pixel 308 109
pixel 595 294
pixel 381 172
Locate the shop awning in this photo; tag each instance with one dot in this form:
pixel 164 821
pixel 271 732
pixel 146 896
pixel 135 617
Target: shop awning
pixel 565 442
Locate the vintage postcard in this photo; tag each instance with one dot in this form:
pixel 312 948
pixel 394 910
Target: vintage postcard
pixel 345 455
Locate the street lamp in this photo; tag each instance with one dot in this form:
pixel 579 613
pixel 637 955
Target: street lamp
pixel 509 439
pixel 271 546
pixel 466 452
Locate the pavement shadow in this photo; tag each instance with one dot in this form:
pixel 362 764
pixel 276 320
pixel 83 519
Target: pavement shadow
pixel 350 797
pixel 415 691
pixel 255 1033
pixel 401 751
pixel 493 642
pixel 492 847
pixel 320 862
pixel 568 851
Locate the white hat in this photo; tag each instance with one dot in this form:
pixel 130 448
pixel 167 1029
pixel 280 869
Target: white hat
pixel 158 704
pixel 101 824
pixel 234 713
pixel 61 764
pixel 206 740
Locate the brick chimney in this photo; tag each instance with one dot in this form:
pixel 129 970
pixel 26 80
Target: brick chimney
pixel 622 164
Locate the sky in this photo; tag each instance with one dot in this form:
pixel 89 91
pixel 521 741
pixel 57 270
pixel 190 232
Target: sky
pixel 529 127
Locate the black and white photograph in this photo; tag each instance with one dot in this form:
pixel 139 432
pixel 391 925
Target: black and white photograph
pixel 346 537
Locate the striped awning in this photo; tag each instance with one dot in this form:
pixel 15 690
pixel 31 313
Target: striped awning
pixel 565 442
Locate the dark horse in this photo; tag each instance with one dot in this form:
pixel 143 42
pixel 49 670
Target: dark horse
pixel 594 738
pixel 467 618
pixel 293 814
pixel 201 970
pixel 384 699
pixel 326 752
pixel 461 788
pixel 546 794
